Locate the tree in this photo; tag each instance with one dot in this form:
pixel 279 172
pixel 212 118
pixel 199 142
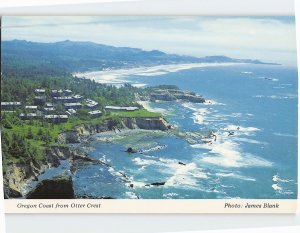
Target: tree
pixel 29 133
pixel 40 132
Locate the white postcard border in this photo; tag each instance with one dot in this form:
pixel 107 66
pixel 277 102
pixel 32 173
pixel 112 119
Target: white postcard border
pixel 169 206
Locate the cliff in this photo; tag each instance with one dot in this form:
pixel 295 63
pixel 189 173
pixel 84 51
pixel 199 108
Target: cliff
pixel 167 94
pixel 153 123
pixel 60 187
pixel 147 123
pixel 17 175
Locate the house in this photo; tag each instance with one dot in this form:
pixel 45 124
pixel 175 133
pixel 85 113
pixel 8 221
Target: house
pixel 10 105
pixel 91 104
pixel 117 108
pixel 78 98
pixel 67 92
pixel 56 118
pixel 31 108
pixel 56 93
pixel 30 116
pixel 131 108
pixel 39 100
pixel 39 91
pixel 48 110
pixel 63 99
pixel 49 105
pixel 71 111
pixel 72 105
pixel 95 113
pixel 7 111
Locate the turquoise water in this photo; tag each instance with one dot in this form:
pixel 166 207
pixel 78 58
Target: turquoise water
pixel 258 159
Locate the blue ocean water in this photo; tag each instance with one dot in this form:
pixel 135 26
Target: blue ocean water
pixel 252 111
pixel 256 103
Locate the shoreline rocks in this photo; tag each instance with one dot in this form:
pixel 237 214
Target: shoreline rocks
pixel 18 175
pixel 173 95
pixel 60 187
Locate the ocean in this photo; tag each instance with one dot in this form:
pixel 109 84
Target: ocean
pixel 250 109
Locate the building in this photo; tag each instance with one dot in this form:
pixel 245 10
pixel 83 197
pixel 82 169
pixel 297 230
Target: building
pixel 67 92
pixel 39 100
pixel 72 105
pixel 71 111
pixel 63 99
pixel 49 110
pixel 10 105
pixel 78 98
pixel 49 105
pixel 117 108
pixel 7 111
pixel 96 113
pixel 30 116
pixel 31 108
pixel 91 104
pixel 56 118
pixel 39 91
pixel 56 93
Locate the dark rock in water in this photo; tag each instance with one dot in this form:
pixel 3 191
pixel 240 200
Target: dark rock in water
pixel 106 197
pixel 130 150
pixel 181 163
pixel 60 187
pixel 87 196
pixel 131 185
pixel 158 183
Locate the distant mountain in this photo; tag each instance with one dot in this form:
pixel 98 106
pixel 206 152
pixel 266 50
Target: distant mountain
pixel 70 56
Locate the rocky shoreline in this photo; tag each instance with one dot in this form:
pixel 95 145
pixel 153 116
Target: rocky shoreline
pixel 19 175
pixel 169 94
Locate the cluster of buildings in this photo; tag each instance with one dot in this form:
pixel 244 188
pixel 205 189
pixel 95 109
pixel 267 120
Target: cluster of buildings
pixel 61 105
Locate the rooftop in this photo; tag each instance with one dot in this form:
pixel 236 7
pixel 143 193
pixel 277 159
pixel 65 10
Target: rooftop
pixel 31 107
pixel 121 108
pixel 72 104
pixel 10 103
pixel 94 112
pixel 40 90
pixel 29 114
pixel 56 116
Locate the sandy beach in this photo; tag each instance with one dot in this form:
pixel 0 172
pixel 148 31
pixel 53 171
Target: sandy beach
pixel 117 76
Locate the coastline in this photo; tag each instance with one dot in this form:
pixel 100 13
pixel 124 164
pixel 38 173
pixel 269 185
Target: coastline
pixel 20 175
pixel 115 76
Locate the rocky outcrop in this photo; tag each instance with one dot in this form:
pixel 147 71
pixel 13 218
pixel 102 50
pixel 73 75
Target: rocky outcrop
pixel 69 136
pixel 164 96
pixel 60 187
pixel 56 153
pixel 153 123
pixel 189 98
pixel 10 192
pixel 147 123
pixel 158 183
pixel 17 175
pixel 88 129
pixel 172 95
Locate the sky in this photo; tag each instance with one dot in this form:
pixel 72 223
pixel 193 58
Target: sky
pixel 270 39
